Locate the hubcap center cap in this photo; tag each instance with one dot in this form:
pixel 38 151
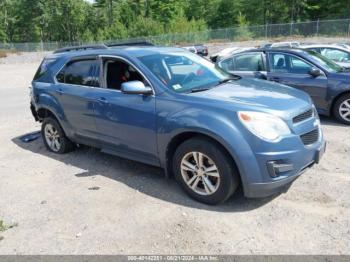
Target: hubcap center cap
pixel 201 171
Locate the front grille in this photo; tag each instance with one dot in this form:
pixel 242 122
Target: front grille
pixel 310 137
pixel 303 116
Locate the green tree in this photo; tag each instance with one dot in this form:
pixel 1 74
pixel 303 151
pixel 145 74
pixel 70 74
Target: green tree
pixel 229 11
pixel 242 31
pixel 144 26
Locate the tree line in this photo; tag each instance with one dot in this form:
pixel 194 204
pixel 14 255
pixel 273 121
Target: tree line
pixel 81 20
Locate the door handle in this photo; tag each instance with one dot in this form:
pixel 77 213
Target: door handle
pixel 102 100
pixel 275 79
pixel 59 91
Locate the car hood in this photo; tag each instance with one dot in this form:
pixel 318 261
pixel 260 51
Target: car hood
pixel 258 95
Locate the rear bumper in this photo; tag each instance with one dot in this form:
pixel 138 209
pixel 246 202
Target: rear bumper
pixel 34 112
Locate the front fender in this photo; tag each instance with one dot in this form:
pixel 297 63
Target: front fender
pixel 214 124
pixel 338 89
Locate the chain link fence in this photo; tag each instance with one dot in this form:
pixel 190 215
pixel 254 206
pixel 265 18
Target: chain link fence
pixel 324 28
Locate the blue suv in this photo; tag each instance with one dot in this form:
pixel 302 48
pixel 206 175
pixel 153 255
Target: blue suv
pixel 170 108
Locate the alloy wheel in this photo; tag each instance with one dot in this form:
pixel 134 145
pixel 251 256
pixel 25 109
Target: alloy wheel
pixel 52 137
pixel 344 110
pixel 200 173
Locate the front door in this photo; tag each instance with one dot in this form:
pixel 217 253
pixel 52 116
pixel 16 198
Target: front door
pixel 293 71
pixel 126 123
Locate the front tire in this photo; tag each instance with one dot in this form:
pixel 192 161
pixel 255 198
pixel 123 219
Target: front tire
pixel 54 138
pixel 204 171
pixel 341 109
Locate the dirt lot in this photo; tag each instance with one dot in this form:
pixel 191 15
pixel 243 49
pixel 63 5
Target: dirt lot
pixel 86 202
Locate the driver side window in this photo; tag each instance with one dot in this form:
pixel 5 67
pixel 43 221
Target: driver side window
pixel 298 66
pixel 286 63
pixel 117 72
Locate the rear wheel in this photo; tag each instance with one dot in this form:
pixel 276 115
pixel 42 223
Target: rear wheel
pixel 204 171
pixel 341 109
pixel 54 138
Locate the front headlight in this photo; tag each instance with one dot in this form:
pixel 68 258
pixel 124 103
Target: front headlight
pixel 268 127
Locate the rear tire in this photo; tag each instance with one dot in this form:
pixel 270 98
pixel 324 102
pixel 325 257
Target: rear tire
pixel 54 138
pixel 204 171
pixel 341 109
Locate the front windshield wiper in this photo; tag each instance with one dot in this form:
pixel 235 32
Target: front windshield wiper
pixel 231 78
pixel 195 90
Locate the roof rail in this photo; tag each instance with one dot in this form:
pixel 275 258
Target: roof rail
pixel 135 43
pixel 81 47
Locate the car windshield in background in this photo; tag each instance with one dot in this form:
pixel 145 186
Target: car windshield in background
pixel 325 62
pixel 184 72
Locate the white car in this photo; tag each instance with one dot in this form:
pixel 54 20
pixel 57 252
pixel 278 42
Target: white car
pixel 281 45
pixel 334 52
pixel 346 46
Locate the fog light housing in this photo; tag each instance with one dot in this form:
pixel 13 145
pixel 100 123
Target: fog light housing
pixel 276 167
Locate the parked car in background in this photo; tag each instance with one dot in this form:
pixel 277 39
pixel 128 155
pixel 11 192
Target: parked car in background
pixel 281 45
pixel 173 109
pixel 347 46
pixel 326 82
pixel 227 52
pixel 198 49
pixel 336 53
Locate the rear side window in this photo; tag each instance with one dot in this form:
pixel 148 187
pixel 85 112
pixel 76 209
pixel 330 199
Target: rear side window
pixel 244 62
pixel 82 72
pixel 227 64
pixel 44 66
pixel 248 62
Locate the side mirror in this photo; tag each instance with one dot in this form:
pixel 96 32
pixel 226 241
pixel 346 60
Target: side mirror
pixel 315 72
pixel 260 75
pixel 136 87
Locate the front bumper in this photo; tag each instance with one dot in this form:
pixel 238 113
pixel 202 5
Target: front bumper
pixel 287 165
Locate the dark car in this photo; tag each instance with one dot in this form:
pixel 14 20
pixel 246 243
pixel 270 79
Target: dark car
pixel 326 82
pixel 198 49
pixel 173 109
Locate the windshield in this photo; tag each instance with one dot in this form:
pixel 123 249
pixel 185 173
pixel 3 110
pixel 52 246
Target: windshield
pixel 184 72
pixel 326 63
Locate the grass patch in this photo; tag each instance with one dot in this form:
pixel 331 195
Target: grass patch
pixel 4 227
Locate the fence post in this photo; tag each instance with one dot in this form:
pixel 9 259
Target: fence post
pixel 266 30
pixel 349 29
pixel 291 29
pixel 317 26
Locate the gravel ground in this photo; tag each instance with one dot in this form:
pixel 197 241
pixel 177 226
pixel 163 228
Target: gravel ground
pixel 86 202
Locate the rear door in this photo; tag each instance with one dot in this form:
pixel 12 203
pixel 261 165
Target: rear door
pixel 249 64
pixel 291 70
pixel 75 85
